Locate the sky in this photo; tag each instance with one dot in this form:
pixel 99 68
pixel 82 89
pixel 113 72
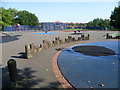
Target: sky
pixel 69 11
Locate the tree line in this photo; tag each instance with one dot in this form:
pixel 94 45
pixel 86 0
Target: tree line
pixel 12 16
pixel 112 23
pixel 99 22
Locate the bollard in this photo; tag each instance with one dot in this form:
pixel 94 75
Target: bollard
pixel 56 38
pixel 70 37
pixel 43 41
pixel 73 39
pixel 60 41
pixel 45 45
pixel 49 44
pixel 31 46
pixel 88 36
pixel 13 73
pixel 82 36
pixel 118 37
pixel 33 49
pixel 53 43
pixel 40 46
pixel 107 36
pixel 65 40
pixel 79 38
pixel 27 51
pixel 12 70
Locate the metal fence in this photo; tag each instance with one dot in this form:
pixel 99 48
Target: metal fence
pixel 43 26
pixel 21 28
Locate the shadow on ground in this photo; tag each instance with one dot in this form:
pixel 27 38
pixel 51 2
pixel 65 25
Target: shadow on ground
pixel 76 33
pixel 58 49
pixel 9 38
pixel 26 79
pixel 22 55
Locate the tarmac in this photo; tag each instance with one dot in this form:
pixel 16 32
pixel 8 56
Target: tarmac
pixel 37 71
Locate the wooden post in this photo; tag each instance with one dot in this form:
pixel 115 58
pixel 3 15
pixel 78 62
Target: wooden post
pixel 65 40
pixel 40 46
pixel 88 36
pixel 79 38
pixel 12 70
pixel 27 51
pixel 107 36
pixel 73 39
pixel 53 43
pixel 45 44
pixel 82 36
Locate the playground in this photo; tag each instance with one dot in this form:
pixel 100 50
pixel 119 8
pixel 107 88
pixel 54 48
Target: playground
pixel 38 71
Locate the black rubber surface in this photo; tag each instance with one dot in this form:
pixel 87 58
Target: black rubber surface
pixel 93 50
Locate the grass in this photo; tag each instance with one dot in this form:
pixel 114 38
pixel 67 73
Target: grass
pixel 115 34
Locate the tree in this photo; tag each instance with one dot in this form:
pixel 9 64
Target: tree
pixel 26 18
pixel 90 24
pixel 98 22
pixel 115 18
pixel 12 16
pixel 106 23
pixel 5 17
pixel 13 12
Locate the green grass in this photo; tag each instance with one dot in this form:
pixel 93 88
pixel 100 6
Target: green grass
pixel 115 34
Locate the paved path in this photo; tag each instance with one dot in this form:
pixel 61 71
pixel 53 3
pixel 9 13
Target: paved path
pixel 36 72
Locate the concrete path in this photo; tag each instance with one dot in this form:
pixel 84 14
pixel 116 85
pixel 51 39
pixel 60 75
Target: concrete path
pixel 36 72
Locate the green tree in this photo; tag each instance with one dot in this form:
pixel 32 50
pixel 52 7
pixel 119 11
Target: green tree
pixel 5 17
pixel 106 23
pixel 12 16
pixel 26 18
pixel 115 18
pixel 90 24
pixel 13 12
pixel 98 22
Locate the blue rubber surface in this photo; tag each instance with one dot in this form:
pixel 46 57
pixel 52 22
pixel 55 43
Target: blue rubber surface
pixel 85 71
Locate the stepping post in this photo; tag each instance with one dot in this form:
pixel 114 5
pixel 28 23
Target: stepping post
pixel 12 70
pixel 27 51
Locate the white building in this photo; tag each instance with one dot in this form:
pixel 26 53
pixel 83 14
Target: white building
pixel 119 3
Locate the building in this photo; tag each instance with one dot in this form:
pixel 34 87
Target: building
pixel 53 26
pixel 119 3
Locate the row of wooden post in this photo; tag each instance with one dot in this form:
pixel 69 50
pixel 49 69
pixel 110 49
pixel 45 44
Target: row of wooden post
pixel 31 49
pixel 108 36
